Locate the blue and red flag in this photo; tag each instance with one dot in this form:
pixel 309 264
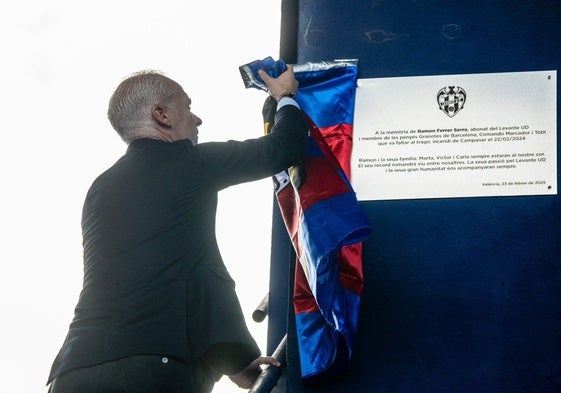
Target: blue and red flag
pixel 322 215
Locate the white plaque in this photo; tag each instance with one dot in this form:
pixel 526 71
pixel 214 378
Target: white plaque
pixel 455 136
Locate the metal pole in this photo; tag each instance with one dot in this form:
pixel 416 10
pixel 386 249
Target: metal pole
pixel 261 310
pixel 270 375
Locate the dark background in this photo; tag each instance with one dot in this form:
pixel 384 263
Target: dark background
pixel 461 294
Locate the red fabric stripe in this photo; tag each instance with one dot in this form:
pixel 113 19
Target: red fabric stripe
pixel 339 138
pixel 318 173
pixel 304 300
pixel 289 210
pixel 350 268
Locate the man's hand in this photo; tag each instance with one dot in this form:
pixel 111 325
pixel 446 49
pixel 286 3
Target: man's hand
pixel 247 377
pixel 282 86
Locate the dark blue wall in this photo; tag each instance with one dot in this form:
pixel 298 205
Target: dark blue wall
pixel 462 294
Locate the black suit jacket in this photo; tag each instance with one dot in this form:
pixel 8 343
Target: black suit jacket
pixel 154 280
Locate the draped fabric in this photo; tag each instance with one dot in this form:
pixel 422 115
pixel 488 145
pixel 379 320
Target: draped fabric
pixel 322 215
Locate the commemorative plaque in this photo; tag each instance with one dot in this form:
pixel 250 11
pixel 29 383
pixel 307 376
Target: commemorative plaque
pixel 452 136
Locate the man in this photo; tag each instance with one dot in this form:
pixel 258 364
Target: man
pixel 158 311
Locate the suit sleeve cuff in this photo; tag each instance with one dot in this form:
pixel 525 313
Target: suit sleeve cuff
pixel 287 101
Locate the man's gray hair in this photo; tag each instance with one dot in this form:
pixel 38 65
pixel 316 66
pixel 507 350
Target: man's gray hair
pixel 130 105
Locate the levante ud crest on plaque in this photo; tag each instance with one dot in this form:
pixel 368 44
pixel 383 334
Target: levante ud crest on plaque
pixel 451 99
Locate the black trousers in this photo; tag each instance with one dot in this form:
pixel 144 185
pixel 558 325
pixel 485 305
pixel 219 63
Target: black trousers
pixel 138 374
